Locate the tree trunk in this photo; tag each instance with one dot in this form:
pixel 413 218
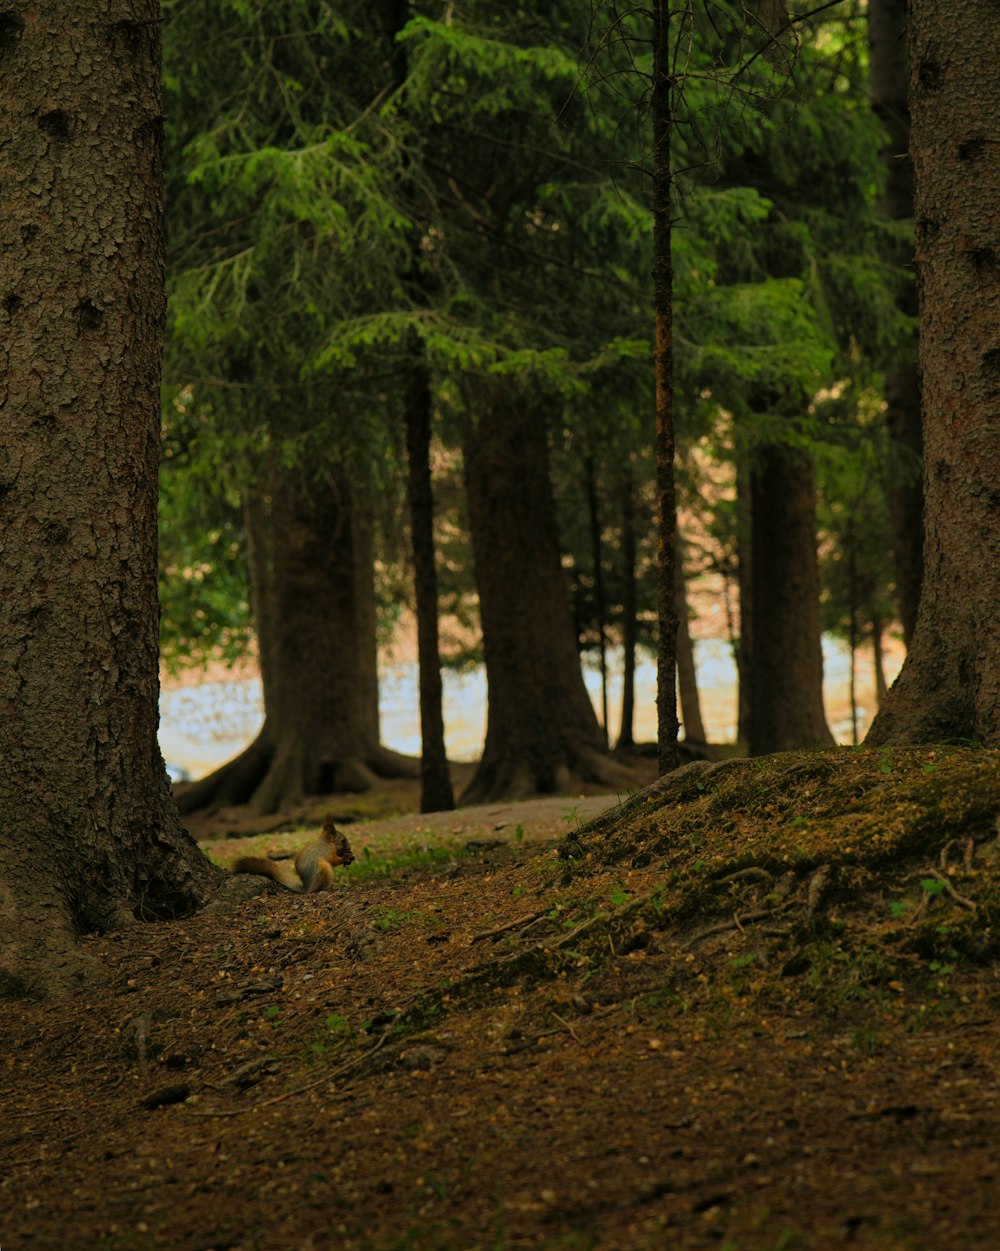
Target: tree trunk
pixel 786 659
pixel 89 835
pixel 600 599
pixel 309 546
pixel 878 661
pixel 663 367
pixel 744 573
pixel 630 628
pixel 687 675
pixel 435 780
pixel 542 734
pixel 949 686
pixel 888 85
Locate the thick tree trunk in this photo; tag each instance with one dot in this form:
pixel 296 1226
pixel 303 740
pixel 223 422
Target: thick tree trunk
pixel 89 836
pixel 785 660
pixel 435 780
pixel 889 88
pixel 542 734
pixel 663 368
pixel 949 686
pixel 310 548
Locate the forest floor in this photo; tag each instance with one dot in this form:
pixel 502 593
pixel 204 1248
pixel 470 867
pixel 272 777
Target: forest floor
pixel 754 1009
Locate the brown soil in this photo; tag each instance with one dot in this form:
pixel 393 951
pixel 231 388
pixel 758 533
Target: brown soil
pixel 498 1041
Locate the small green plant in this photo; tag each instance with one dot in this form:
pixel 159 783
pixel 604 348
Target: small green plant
pixel 572 817
pixel 519 833
pixel 336 1029
pixel 272 1016
pixel 389 919
pixel 620 896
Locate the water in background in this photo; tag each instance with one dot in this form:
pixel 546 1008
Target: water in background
pixel 205 723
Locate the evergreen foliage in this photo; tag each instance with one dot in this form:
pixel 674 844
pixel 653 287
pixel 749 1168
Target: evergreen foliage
pixel 491 214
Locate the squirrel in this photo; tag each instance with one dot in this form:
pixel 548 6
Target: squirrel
pixel 314 864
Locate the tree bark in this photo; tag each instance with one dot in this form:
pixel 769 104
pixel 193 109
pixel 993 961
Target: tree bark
pixel 89 836
pixel 888 79
pixel 542 734
pixel 785 669
pixel 687 674
pixel 310 549
pixel 663 364
pixel 600 599
pixel 949 686
pixel 435 780
pixel 744 573
pixel 630 626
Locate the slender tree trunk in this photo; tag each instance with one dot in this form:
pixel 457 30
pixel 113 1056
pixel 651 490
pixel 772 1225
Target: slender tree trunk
pixel 888 79
pixel 660 108
pixel 786 659
pixel 949 686
pixel 600 600
pixel 89 835
pixel 629 613
pixel 542 734
pixel 435 780
pixel 687 676
pixel 744 566
pixel 878 660
pixel 309 547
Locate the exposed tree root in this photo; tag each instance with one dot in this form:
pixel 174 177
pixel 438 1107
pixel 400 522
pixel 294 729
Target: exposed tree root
pixel 271 777
pixel 510 774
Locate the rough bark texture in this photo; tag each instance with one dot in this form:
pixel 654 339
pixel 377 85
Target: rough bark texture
pixel 666 658
pixel 435 781
pixel 542 734
pixel 89 836
pixel 889 88
pixel 310 552
pixel 785 670
pixel 949 687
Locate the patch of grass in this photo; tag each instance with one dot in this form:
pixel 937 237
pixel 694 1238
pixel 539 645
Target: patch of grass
pixel 370 864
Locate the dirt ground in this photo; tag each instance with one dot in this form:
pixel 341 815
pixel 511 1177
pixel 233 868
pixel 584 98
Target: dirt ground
pixel 440 1054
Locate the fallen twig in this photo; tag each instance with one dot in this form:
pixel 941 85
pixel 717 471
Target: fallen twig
pixel 527 919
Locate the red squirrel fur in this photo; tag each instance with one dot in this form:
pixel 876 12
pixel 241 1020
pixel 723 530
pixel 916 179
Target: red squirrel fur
pixel 314 864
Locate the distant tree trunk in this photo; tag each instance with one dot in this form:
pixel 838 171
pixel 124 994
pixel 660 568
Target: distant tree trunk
pixel 600 600
pixel 949 686
pixel 687 675
pixel 878 660
pixel 744 572
pixel 435 780
pixel 888 78
pixel 786 659
pixel 629 613
pixel 309 548
pixel 663 365
pixel 89 836
pixel 542 734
